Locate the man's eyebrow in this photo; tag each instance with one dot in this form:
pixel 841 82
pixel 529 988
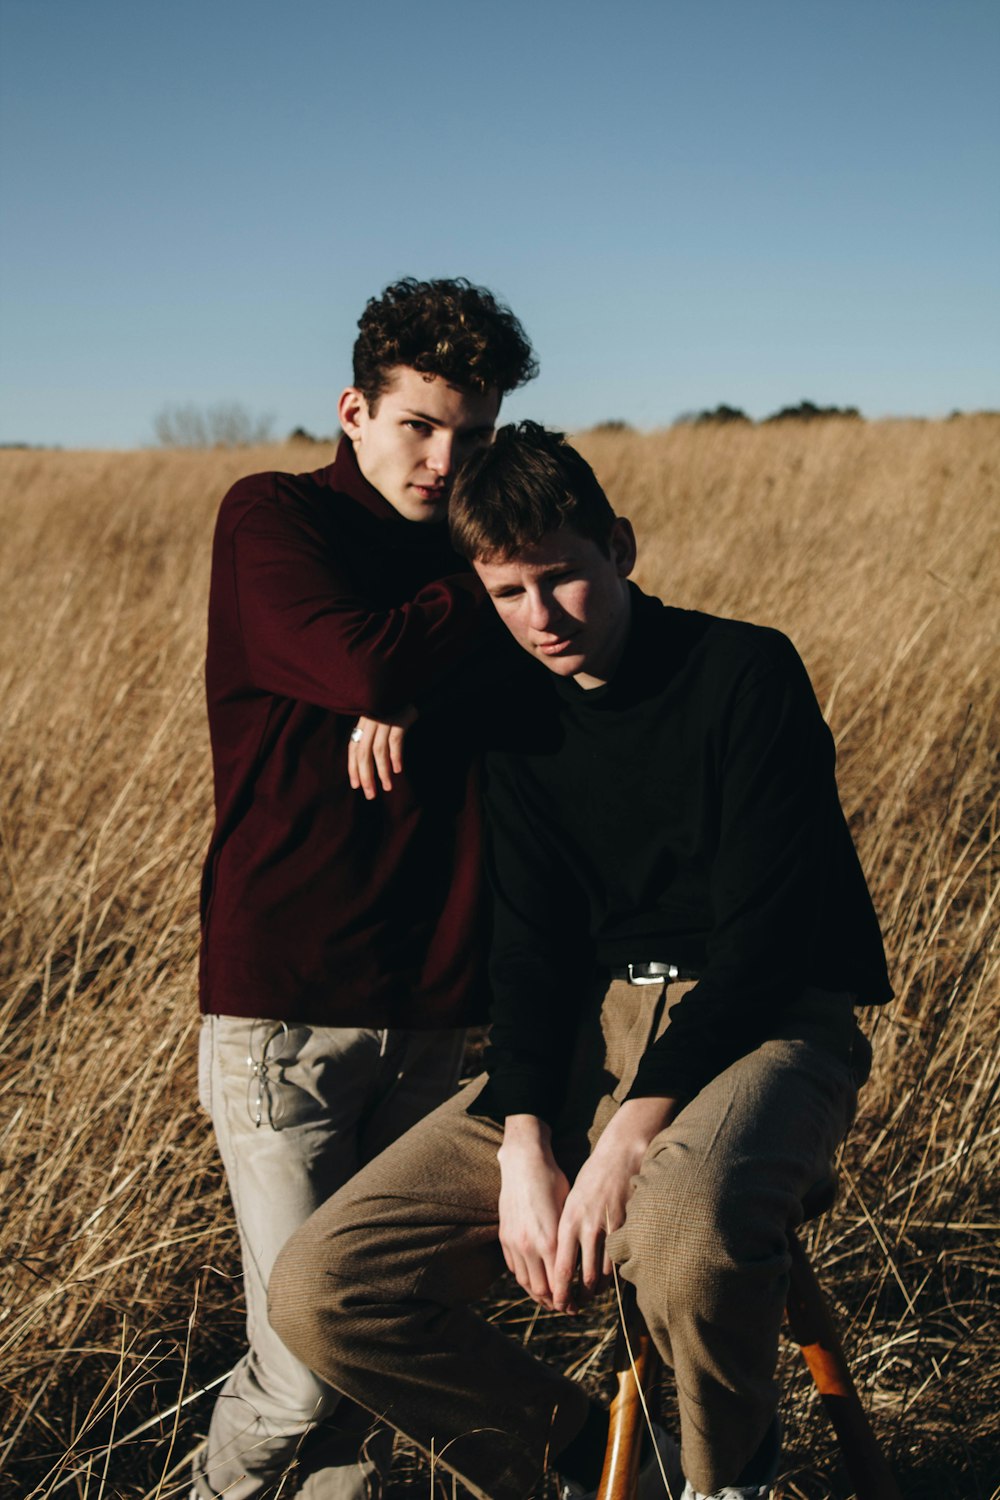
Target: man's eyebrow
pixel 548 571
pixel 422 416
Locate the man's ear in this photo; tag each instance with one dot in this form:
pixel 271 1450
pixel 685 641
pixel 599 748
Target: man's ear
pixel 622 544
pixel 351 408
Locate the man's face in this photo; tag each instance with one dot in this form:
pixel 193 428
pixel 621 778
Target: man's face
pixel 565 602
pixel 419 433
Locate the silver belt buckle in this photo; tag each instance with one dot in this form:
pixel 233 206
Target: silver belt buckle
pixel 652 973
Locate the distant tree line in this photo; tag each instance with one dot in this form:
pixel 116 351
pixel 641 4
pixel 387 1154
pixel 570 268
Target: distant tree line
pixel 228 424
pixel 805 411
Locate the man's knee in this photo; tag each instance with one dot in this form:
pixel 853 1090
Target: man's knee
pixel 308 1305
pixel 690 1235
pixel 678 1256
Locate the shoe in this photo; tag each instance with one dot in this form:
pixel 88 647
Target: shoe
pixel 730 1492
pixel 649 1485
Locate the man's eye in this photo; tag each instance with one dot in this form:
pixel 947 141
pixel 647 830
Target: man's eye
pixel 415 426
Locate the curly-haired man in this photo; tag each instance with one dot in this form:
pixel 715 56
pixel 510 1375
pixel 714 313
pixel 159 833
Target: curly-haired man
pixel 341 944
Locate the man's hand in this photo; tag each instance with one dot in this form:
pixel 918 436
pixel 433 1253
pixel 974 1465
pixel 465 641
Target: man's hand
pixel 596 1205
pixel 375 753
pixel 533 1189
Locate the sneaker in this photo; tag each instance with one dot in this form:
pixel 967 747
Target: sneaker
pixel 649 1485
pixel 730 1492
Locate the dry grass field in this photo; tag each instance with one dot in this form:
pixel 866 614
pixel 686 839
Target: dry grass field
pixel 875 546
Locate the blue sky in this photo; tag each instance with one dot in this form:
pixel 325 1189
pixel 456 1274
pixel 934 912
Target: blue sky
pixel 685 202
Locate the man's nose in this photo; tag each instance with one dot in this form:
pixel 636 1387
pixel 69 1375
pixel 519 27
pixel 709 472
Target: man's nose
pixel 542 610
pixel 442 454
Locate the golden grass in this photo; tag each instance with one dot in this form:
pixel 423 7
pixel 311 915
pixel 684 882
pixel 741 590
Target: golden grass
pixel 874 545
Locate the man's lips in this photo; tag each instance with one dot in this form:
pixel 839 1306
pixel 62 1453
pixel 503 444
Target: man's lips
pixel 553 648
pixel 431 491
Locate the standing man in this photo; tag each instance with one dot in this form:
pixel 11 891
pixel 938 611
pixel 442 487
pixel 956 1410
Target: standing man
pixel 340 933
pixel 681 932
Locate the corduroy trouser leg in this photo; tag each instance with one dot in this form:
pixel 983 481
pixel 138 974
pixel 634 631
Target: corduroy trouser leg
pixel 327 1099
pixel 373 1291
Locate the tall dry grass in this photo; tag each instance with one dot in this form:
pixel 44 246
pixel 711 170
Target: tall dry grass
pixel 874 546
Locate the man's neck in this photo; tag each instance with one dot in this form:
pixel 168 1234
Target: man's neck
pixel 606 668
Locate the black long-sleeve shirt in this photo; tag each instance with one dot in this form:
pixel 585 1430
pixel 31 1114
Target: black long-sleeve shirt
pixel 687 812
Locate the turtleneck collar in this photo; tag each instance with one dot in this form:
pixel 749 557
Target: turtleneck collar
pixel 346 476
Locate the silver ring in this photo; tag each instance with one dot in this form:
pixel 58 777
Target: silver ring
pixel 357 735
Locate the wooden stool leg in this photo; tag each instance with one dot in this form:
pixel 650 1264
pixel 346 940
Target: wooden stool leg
pixel 812 1328
pixel 634 1376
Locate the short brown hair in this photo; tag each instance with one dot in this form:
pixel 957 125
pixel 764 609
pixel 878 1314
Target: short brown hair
pixel 447 328
pixel 527 484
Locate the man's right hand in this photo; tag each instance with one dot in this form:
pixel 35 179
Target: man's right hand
pixel 375 752
pixel 533 1189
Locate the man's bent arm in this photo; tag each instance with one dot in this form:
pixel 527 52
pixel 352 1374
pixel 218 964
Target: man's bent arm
pixel 310 633
pixel 785 883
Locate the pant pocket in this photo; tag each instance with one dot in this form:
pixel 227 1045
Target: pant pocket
pixel 630 1020
pixel 205 1065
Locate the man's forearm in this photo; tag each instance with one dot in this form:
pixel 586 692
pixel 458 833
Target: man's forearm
pixel 639 1120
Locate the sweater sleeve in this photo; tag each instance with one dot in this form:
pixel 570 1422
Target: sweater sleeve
pixel 540 960
pixel 309 634
pixel 781 840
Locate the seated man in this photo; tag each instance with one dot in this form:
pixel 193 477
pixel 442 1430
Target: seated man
pixel 681 934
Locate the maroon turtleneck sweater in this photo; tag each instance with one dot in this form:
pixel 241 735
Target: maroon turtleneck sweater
pixel 318 906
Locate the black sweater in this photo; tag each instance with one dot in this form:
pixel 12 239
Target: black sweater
pixel 686 813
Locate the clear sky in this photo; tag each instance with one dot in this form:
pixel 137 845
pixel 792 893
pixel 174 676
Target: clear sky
pixel 686 202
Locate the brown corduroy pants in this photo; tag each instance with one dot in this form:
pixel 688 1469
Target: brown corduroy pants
pixel 373 1292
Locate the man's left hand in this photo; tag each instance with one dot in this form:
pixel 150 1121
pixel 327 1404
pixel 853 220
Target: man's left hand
pixel 596 1203
pixel 375 752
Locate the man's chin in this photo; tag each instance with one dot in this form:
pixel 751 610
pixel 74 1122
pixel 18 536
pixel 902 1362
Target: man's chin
pixel 435 500
pixel 412 508
pixel 564 664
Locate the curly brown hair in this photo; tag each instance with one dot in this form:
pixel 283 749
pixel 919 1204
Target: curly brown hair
pixel 448 328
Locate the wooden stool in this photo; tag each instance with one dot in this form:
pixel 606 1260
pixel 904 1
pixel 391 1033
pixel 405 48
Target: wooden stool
pixel 636 1364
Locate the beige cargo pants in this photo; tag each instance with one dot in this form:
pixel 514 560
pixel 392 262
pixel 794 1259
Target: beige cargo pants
pixel 297 1110
pixel 373 1292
